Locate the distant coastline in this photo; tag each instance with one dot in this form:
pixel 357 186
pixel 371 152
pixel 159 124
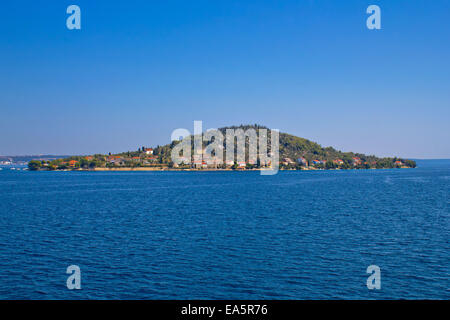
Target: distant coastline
pixel 210 169
pixel 293 153
pixel 165 169
pixel 190 169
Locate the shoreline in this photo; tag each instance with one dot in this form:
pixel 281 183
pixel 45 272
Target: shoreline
pixel 159 169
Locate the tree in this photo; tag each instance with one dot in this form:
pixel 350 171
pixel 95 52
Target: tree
pixel 345 165
pixel 34 165
pixel 93 164
pixel 410 163
pixel 330 165
pixel 84 163
pixel 249 166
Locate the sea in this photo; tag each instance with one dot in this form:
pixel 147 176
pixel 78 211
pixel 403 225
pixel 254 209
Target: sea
pixel 226 235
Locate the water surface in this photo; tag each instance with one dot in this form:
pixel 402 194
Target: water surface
pixel 226 235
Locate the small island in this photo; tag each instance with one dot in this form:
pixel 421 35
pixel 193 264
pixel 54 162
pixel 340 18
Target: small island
pixel 295 153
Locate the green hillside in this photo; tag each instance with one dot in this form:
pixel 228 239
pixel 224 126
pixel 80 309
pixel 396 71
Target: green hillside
pixel 295 153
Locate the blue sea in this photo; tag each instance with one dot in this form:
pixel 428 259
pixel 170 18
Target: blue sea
pixel 226 235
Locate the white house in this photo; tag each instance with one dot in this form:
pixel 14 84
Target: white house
pixel 148 150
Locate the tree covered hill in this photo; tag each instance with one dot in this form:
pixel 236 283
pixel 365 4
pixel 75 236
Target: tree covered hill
pixel 294 153
pixel 294 148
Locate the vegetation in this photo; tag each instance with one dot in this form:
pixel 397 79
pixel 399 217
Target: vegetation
pixel 294 153
pixel 34 165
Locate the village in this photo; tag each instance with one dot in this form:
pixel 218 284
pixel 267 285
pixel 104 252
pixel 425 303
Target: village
pixel 146 159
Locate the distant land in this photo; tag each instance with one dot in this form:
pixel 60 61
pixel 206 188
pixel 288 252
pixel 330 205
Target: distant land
pixel 295 154
pixel 22 160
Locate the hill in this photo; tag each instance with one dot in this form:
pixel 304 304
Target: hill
pixel 295 153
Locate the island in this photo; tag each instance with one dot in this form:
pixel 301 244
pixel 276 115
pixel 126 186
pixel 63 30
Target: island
pixel 295 153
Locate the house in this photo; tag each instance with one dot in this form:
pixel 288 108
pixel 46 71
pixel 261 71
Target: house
pixel 148 150
pixel 72 163
pixel 204 165
pixel 112 158
pixel 356 161
pixel 287 161
pixel 118 161
pixel 152 158
pixel 213 162
pixel 183 160
pixel 398 163
pixel 197 163
pixel 338 162
pixel 316 162
pixel 229 162
pixel 302 161
pixel 241 164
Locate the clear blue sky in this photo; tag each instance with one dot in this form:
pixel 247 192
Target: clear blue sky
pixel 139 69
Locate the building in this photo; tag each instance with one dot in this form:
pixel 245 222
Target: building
pixel 213 162
pixel 197 163
pixel 229 162
pixel 356 161
pixel 148 150
pixel 288 161
pixel 302 161
pixel 72 163
pixel 184 160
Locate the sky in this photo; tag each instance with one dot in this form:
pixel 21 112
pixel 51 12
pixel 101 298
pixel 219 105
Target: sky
pixel 137 70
